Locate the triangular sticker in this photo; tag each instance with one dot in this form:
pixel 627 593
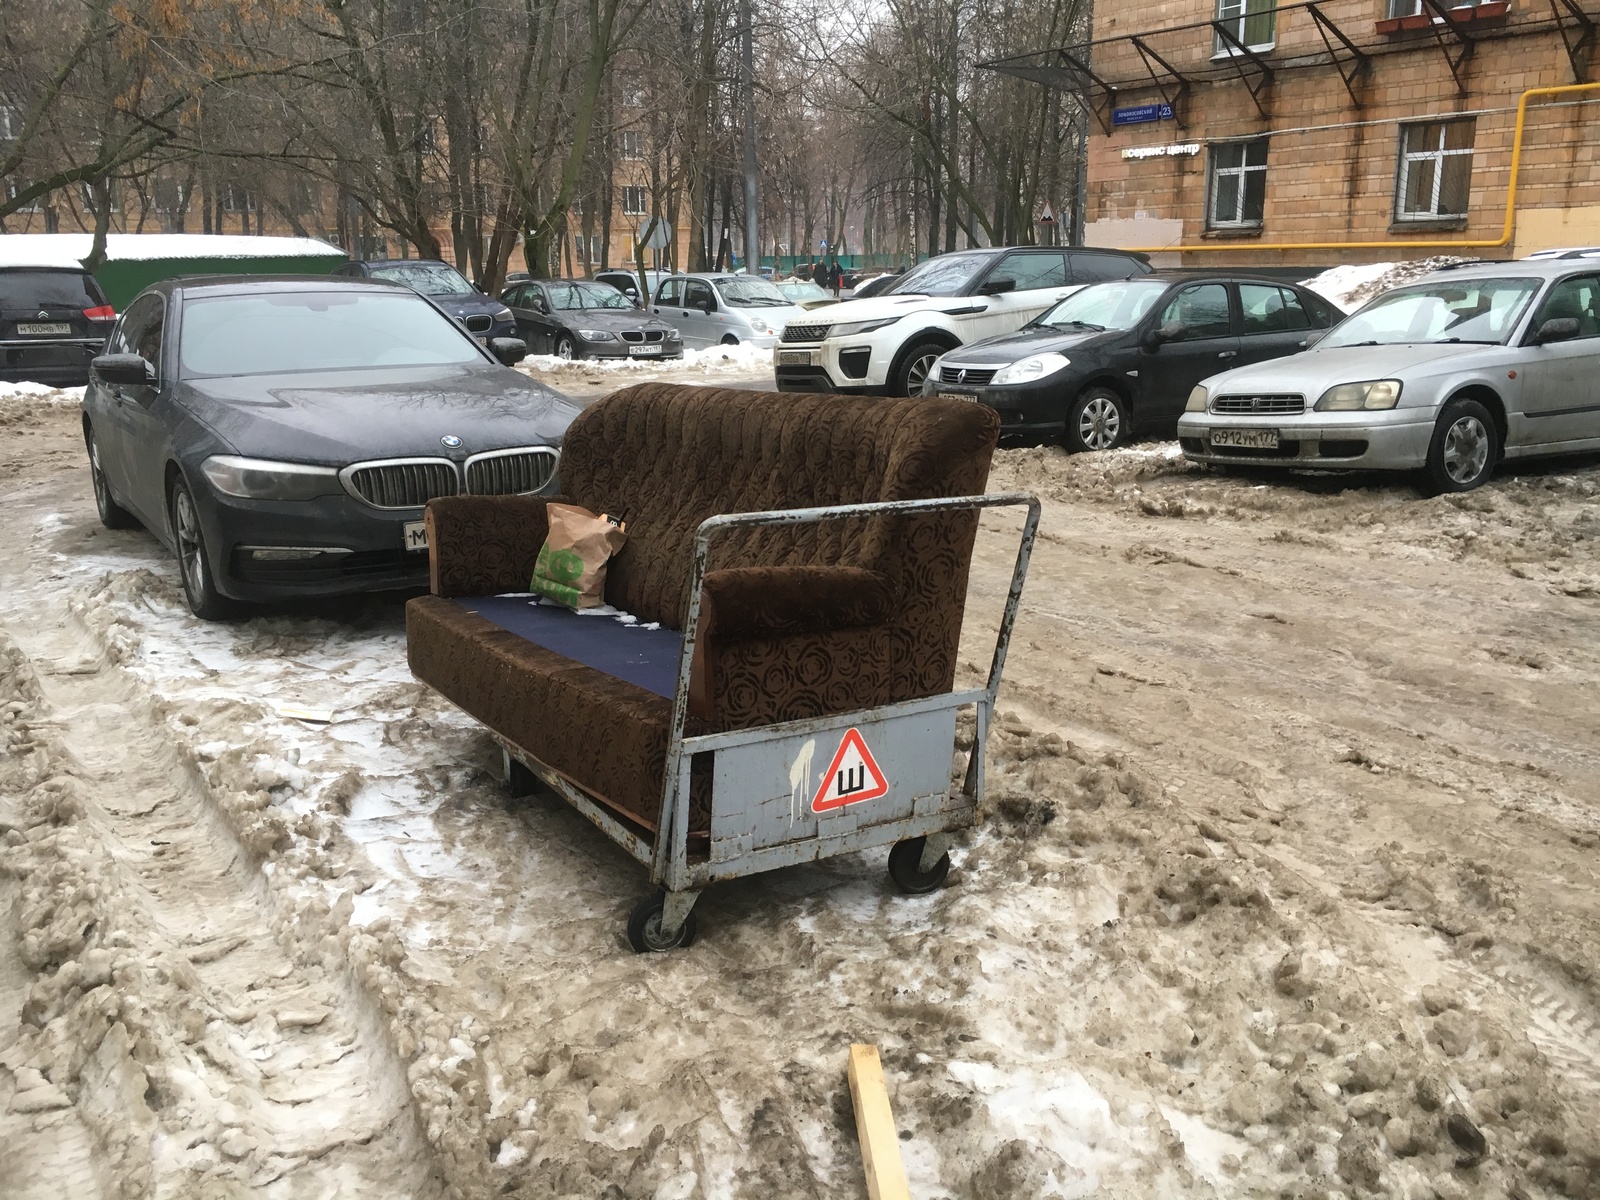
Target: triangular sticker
pixel 852 776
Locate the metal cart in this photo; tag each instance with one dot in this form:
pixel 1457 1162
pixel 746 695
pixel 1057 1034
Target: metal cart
pixel 805 790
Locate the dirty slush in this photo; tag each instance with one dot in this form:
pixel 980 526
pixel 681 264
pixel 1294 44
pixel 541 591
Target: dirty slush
pixel 1286 884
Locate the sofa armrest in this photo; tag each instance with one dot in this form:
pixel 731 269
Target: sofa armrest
pixel 746 602
pixel 484 545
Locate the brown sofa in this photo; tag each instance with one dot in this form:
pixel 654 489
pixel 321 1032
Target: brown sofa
pixel 797 621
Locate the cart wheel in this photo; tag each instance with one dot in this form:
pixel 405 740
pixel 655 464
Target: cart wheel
pixel 906 871
pixel 644 927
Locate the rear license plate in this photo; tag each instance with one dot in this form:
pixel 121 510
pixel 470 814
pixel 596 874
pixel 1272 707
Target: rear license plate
pixel 1246 439
pixel 39 329
pixel 416 535
pixel 644 351
pixel 795 358
pixel 968 396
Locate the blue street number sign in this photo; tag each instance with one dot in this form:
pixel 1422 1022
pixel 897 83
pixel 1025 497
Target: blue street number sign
pixel 1140 114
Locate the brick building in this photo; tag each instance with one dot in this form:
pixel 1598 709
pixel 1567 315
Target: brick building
pixel 1251 134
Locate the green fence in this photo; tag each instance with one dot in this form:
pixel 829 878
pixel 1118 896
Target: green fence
pixel 124 279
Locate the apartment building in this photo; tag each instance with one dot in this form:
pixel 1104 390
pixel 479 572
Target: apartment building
pixel 1244 132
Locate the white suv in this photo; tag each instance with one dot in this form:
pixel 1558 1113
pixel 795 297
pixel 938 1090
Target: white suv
pixel 885 345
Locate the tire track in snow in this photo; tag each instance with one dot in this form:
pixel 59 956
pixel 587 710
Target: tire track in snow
pixel 270 1072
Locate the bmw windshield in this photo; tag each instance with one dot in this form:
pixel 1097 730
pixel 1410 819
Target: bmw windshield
pixel 947 275
pixel 270 333
pixel 1456 310
pixel 431 279
pixel 569 297
pixel 1118 305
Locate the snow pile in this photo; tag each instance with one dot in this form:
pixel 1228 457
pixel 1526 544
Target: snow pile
pixel 70 249
pixel 743 359
pixel 34 394
pixel 1352 286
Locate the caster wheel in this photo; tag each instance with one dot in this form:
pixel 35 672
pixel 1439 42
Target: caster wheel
pixel 907 873
pixel 644 927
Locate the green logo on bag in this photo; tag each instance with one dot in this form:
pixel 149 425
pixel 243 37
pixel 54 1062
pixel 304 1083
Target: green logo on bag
pixel 555 573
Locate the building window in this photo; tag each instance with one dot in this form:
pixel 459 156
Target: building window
pixel 236 199
pixel 86 194
pixel 630 93
pixel 1413 8
pixel 15 187
pixel 633 143
pixel 1238 184
pixel 1435 172
pixel 10 123
pixel 1252 22
pixel 633 201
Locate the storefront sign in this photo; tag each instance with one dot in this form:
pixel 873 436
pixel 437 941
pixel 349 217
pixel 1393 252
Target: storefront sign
pixel 1140 114
pixel 1182 150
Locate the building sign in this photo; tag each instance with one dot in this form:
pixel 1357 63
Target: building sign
pixel 1141 114
pixel 1181 150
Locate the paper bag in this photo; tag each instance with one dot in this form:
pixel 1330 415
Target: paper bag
pixel 571 568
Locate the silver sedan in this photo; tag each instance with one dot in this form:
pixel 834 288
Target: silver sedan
pixel 1446 376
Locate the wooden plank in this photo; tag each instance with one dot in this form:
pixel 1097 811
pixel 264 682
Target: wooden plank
pixel 880 1145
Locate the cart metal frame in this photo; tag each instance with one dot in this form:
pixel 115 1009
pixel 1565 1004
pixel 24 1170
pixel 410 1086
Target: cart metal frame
pixel 760 774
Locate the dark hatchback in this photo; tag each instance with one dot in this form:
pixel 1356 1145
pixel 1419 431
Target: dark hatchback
pixel 282 436
pixel 579 318
pixel 53 320
pixel 484 316
pixel 1122 357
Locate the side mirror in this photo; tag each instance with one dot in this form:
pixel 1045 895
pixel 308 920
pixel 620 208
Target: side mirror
pixel 132 371
pixel 1556 329
pixel 1312 338
pixel 1172 331
pixel 510 351
pixel 997 287
pixel 707 306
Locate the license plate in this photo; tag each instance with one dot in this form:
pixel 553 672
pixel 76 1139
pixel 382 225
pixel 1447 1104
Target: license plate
pixel 1246 439
pixel 968 396
pixel 795 358
pixel 644 351
pixel 416 535
pixel 40 329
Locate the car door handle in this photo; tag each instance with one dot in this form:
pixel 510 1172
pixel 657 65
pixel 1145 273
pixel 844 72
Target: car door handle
pixel 1228 354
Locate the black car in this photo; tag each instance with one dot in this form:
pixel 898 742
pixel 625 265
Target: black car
pixel 282 435
pixel 53 320
pixel 484 316
pixel 579 318
pixel 1123 356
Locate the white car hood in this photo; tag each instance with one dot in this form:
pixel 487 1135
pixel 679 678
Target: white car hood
pixel 1318 369
pixel 875 308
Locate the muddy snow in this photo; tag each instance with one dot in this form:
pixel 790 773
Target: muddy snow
pixel 1286 884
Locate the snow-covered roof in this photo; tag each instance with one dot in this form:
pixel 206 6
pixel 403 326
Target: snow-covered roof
pixel 70 249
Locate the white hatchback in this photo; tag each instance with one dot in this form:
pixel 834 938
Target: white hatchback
pixel 728 310
pixel 887 344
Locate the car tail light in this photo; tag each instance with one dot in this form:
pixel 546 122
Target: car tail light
pixel 102 312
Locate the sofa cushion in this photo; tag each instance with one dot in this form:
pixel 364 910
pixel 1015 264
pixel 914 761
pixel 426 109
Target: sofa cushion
pixel 606 735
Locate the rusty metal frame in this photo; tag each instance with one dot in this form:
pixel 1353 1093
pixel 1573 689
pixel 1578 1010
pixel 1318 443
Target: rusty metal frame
pixel 1102 107
pixel 1238 50
pixel 1465 42
pixel 1175 99
pixel 1360 61
pixel 1578 50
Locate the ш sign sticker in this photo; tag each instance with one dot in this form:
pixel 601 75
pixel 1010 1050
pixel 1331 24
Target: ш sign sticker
pixel 852 776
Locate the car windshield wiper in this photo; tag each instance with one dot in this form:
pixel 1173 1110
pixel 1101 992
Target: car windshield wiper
pixel 1077 325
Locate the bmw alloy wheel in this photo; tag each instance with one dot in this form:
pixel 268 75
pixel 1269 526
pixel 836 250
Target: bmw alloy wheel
pixel 1099 424
pixel 564 348
pixel 1466 449
pixel 191 550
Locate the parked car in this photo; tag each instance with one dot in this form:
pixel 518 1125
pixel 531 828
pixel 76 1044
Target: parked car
pixel 282 435
pixel 806 294
pixel 1567 252
pixel 53 320
pixel 1119 358
pixel 627 282
pixel 886 345
pixel 724 309
pixel 875 286
pixel 579 318
pixel 1444 376
pixel 484 317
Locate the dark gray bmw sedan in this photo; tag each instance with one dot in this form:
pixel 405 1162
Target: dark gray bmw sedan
pixel 281 436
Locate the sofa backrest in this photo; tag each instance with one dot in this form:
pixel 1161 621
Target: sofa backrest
pixel 666 457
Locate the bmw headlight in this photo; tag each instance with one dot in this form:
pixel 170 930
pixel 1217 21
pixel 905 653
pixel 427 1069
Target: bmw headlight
pixel 1026 370
pixel 260 479
pixel 674 336
pixel 502 313
pixel 596 335
pixel 856 328
pixel 1373 394
pixel 1198 399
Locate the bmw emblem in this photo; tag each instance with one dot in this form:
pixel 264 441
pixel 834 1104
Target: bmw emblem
pixel 450 441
